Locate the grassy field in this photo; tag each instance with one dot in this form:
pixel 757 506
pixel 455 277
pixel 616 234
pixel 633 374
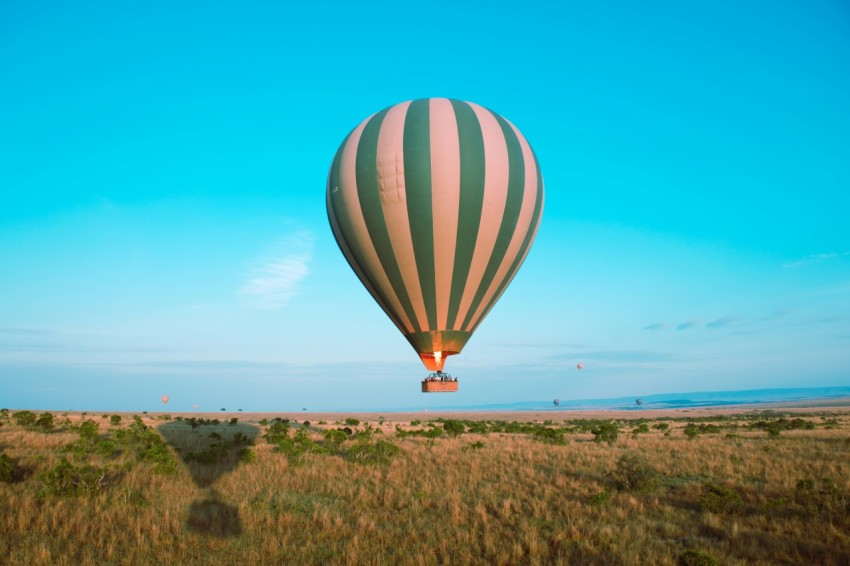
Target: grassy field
pixel 751 488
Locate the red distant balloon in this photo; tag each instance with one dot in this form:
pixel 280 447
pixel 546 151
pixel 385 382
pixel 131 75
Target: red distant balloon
pixel 580 366
pixel 165 399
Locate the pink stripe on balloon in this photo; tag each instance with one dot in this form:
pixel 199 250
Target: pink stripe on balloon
pixel 361 243
pixel 445 199
pixel 353 259
pixel 526 216
pixel 393 191
pixel 495 198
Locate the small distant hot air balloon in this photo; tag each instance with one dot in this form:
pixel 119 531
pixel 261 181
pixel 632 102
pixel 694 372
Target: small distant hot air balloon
pixel 638 402
pixel 165 399
pixel 195 406
pixel 580 366
pixel 557 402
pixel 435 204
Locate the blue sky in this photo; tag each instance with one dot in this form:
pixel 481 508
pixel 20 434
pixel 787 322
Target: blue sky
pixel 163 225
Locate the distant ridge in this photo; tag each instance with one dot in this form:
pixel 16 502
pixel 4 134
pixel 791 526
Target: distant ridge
pixel 674 400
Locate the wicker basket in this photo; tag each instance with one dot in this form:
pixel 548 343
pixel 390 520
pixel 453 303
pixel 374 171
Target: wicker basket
pixel 439 386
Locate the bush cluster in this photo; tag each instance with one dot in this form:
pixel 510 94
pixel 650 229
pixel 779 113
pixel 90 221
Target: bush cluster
pixel 355 446
pixel 694 557
pixel 692 430
pixel 455 427
pixel 278 430
pixel 719 499
pixel 147 445
pixel 29 420
pixel 775 427
pixel 66 479
pixel 632 473
pixel 8 469
pixel 605 431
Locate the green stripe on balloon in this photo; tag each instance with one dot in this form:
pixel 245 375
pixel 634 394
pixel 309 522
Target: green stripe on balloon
pixel 471 200
pixel 417 180
pixel 343 232
pixel 529 237
pixel 369 193
pixel 513 205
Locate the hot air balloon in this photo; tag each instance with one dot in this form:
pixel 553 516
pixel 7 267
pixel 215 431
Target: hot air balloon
pixel 195 406
pixel 638 402
pixel 580 366
pixel 165 399
pixel 557 402
pixel 435 203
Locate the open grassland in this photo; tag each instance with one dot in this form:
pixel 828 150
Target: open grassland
pixel 761 487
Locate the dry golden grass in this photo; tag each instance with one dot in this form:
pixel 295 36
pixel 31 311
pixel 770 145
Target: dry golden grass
pixel 474 499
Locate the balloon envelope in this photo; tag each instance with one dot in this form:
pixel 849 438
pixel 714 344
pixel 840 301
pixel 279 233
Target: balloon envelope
pixel 580 366
pixel 557 402
pixel 165 399
pixel 435 204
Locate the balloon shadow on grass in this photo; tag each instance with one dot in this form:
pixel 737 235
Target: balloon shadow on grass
pixel 210 449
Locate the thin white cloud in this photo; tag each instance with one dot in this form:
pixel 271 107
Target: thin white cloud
pixel 276 277
pixel 814 258
pixel 721 322
pixel 690 324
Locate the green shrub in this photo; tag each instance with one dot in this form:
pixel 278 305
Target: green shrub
pixel 45 422
pixel 549 435
pixel 335 438
pixel 7 469
pixel 600 499
pixel 296 448
pixel 115 420
pixel 775 427
pixel 66 479
pixel 379 453
pixel 478 427
pixel 661 426
pixel 453 427
pixel 605 431
pixel 147 445
pixel 435 432
pixel 696 558
pixel 693 430
pixel 24 418
pixel 105 447
pixel 277 431
pixel 640 429
pixel 718 499
pixel 217 452
pixel 241 439
pixel 87 429
pixel 352 421
pixel 632 473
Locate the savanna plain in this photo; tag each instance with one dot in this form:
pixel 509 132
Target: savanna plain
pixel 746 486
